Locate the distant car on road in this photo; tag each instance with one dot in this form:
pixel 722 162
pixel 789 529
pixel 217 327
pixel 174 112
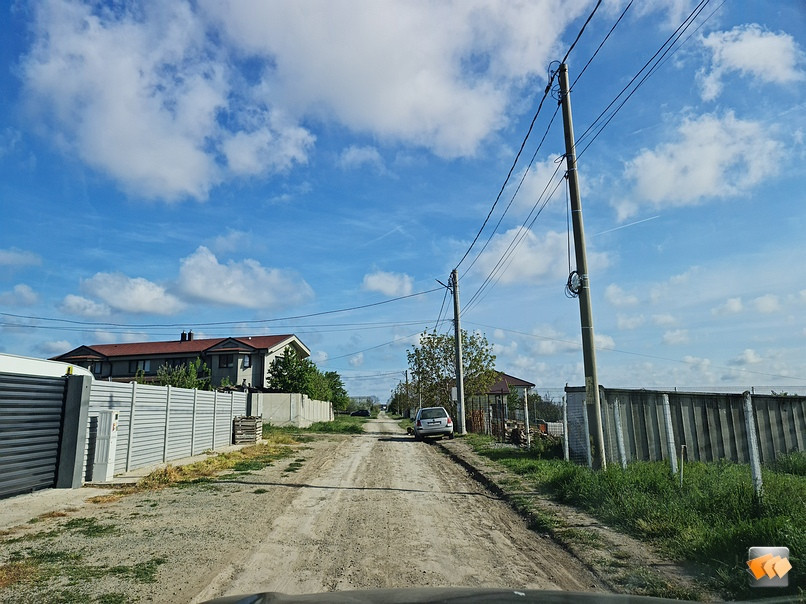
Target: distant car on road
pixel 432 421
pixel 360 413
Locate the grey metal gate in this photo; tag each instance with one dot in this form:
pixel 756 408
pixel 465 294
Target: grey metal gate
pixel 31 415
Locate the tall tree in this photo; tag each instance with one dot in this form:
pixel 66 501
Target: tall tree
pixel 433 365
pixel 289 373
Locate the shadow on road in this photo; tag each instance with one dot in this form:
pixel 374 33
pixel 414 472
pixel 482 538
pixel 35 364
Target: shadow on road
pixel 299 485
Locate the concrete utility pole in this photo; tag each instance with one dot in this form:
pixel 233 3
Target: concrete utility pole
pixel 585 312
pixel 460 379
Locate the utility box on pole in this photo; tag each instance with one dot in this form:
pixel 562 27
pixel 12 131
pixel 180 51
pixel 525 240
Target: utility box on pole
pixel 106 441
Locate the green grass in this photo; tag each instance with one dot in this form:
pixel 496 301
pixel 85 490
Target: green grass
pixel 713 519
pixel 791 463
pixel 343 424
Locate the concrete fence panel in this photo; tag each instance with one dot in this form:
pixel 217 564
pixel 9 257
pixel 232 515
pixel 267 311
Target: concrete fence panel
pixel 711 425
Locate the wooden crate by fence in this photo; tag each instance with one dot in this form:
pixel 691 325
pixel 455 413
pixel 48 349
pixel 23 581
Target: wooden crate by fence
pixel 246 429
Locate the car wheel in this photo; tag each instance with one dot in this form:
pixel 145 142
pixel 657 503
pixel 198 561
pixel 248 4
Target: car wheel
pixel 450 436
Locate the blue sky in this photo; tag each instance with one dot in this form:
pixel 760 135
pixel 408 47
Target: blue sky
pixel 222 166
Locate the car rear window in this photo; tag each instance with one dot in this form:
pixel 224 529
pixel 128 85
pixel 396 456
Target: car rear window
pixel 432 413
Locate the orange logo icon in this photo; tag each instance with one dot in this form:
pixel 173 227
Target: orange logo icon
pixel 769 566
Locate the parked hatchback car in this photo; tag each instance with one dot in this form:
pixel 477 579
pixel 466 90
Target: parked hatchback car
pixel 432 421
pixel 360 413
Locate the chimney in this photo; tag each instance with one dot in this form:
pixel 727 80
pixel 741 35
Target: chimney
pixel 190 336
pixel 183 337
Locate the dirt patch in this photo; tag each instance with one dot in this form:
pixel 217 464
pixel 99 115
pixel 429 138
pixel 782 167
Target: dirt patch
pixel 377 510
pixel 624 564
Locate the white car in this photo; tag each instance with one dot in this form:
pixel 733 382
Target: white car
pixel 432 421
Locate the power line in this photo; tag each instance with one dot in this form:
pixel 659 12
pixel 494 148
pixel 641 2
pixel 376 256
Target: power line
pixel 664 49
pixel 528 133
pixel 102 324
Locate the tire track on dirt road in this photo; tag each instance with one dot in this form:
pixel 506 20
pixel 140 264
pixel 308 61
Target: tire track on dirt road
pixel 384 511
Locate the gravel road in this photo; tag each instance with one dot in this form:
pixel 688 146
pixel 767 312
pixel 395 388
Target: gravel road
pixel 377 510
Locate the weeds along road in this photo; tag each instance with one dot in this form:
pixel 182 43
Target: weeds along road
pixel 381 510
pixel 342 512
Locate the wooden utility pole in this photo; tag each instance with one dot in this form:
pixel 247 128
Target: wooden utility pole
pixel 460 378
pixel 585 312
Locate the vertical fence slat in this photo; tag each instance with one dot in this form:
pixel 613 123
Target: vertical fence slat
pixel 130 446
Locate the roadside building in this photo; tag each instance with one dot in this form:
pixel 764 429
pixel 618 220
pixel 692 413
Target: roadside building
pixel 242 360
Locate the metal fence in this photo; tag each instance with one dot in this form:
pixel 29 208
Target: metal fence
pixel 157 424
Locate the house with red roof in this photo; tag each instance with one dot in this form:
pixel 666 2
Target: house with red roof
pixel 243 360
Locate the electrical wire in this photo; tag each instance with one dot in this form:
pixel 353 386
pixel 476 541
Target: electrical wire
pixel 100 324
pixel 602 43
pixel 552 75
pixel 664 49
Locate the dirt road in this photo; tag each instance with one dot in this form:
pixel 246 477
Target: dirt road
pixel 385 511
pixel 377 510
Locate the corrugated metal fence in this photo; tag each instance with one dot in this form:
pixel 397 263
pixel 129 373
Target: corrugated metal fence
pixel 712 426
pixel 31 409
pixel 158 424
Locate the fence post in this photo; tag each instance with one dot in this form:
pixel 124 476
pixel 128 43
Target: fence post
pixel 619 434
pixel 215 414
pixel 752 443
pixel 193 426
pixel 565 428
pixel 667 420
pixel 587 439
pixel 167 421
pixel 526 418
pixel 131 428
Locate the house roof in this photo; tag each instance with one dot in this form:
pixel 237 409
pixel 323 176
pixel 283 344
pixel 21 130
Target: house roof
pixel 179 347
pixel 505 381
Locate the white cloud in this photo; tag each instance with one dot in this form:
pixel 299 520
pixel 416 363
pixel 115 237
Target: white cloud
pixel 230 241
pixel 20 295
pixel 431 74
pixel 138 94
pixel 389 284
pixel 357 360
pixel 319 357
pixel 747 357
pixel 535 259
pixel 616 296
pixel 770 58
pixel 548 342
pixel 15 257
pixel 136 295
pixel 246 284
pixel 767 304
pixel 84 307
pixel 625 322
pixel 676 336
pixel 604 342
pixel 155 95
pixel 731 307
pixel 714 157
pixel 354 157
pixel 54 347
pixel 663 320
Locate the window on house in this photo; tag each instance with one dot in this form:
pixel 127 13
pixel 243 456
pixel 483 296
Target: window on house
pixel 96 368
pixel 247 362
pixel 225 361
pixel 135 366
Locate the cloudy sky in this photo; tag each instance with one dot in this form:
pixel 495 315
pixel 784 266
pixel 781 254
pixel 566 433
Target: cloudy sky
pixel 241 168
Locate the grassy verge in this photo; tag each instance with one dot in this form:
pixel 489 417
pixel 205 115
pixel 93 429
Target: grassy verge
pixel 712 520
pixel 343 424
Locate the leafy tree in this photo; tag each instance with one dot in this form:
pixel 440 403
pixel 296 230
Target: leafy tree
pixel 432 364
pixel 193 375
pixel 339 398
pixel 289 373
